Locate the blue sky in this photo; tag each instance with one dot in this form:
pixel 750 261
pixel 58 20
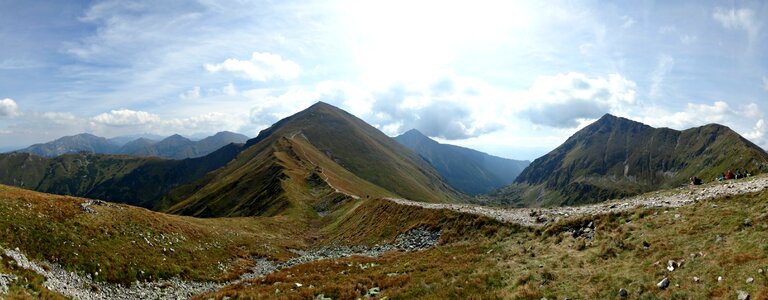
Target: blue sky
pixel 514 79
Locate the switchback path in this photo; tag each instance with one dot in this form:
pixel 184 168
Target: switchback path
pixel 667 198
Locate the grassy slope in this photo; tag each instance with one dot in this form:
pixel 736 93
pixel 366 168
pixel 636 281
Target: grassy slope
pixel 616 157
pixel 477 258
pixel 112 243
pixel 482 259
pixel 321 140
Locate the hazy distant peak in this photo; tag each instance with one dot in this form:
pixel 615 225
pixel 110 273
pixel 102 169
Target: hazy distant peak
pixel 413 132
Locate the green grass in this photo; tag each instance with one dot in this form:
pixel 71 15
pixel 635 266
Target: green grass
pixel 112 242
pixel 484 259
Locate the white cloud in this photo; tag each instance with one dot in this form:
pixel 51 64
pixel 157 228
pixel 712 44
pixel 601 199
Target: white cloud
pixel 194 93
pixel 737 19
pixel 9 108
pixel 698 114
pixel 126 117
pixel 759 134
pixel 663 67
pixel 262 66
pixel 126 121
pixel 563 100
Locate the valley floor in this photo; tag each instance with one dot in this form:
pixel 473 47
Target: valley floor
pixel 706 241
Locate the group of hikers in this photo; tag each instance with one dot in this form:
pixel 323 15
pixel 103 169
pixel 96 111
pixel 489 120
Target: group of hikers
pixel 738 174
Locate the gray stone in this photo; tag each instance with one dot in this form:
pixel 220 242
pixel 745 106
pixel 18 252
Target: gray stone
pixel 747 222
pixel 750 280
pixel 671 265
pixel 663 284
pixel 742 295
pixel 623 293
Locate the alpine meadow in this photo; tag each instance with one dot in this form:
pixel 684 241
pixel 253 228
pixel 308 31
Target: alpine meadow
pixel 342 149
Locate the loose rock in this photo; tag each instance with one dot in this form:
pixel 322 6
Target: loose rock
pixel 623 293
pixel 663 284
pixel 742 295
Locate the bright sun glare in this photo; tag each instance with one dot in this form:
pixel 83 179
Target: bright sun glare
pixel 424 36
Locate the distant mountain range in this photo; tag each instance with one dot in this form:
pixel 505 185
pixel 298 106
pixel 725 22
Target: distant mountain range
pixel 173 147
pixel 320 159
pixel 140 181
pixel 615 157
pixel 470 171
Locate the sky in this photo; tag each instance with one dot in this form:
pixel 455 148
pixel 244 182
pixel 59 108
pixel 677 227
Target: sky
pixel 511 78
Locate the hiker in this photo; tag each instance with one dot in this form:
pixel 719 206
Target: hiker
pixel 721 178
pixel 696 180
pixel 729 175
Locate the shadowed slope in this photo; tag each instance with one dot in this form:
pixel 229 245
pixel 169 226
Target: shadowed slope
pixel 616 157
pixel 470 171
pixel 134 180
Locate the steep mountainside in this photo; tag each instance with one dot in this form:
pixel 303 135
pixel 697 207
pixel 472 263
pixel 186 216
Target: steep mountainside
pixel 470 171
pixel 287 168
pixel 173 147
pixel 140 145
pixel 616 157
pixel 133 180
pixel 83 142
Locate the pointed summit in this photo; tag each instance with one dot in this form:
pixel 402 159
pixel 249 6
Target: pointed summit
pixel 316 146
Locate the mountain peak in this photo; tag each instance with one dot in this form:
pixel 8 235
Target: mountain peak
pixel 616 157
pixel 321 105
pixel 414 132
pixel 176 137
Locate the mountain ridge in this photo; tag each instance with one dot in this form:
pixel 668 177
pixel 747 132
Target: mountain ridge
pixel 617 157
pixel 172 147
pixel 470 171
pixel 321 146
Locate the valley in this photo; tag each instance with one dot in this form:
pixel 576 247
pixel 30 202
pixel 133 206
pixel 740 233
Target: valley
pixel 302 212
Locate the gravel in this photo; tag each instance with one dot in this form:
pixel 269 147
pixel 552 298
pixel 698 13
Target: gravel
pixel 78 287
pixel 542 216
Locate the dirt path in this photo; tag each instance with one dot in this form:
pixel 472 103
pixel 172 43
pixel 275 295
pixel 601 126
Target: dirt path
pixel 668 198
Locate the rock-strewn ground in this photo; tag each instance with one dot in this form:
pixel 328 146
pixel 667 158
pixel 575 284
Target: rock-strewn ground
pixel 79 287
pixel 541 216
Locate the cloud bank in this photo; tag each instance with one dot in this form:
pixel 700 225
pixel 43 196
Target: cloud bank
pixel 261 67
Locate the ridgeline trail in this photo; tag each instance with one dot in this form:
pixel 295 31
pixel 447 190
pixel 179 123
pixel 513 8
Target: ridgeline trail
pixel 665 198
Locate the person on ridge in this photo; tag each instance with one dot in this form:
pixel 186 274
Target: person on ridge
pixel 696 180
pixel 729 175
